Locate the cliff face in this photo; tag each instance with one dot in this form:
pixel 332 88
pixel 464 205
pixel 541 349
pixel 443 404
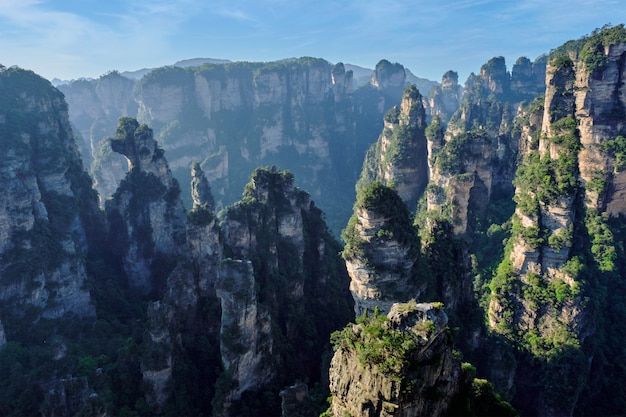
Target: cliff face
pixel 599 102
pixel 444 100
pixel 301 114
pixel 399 157
pixel 382 251
pixel 567 187
pixel 474 155
pixel 232 118
pixel 95 107
pixel 283 270
pixel 46 204
pixel 421 377
pixel 147 207
pixel 246 339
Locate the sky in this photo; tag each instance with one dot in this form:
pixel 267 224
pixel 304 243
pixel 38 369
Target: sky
pixel 87 38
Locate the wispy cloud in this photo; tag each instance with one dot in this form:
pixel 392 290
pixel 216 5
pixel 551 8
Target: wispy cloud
pixel 52 38
pixel 36 36
pixel 237 15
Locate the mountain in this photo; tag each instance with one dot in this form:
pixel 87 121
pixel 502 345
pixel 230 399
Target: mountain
pixel 192 62
pixel 481 273
pixel 524 183
pixel 300 114
pixel 49 209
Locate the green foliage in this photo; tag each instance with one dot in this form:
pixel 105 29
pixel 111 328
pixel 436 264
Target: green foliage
pixel 478 397
pixel 486 402
pixel 434 131
pixel 201 216
pixel 561 238
pixel 565 133
pixel 450 159
pixel 533 235
pixel 548 179
pixel 602 242
pixel 126 128
pixel 392 115
pixel 386 202
pixel 563 62
pixel 144 187
pixel 591 48
pixel 379 345
pixel 382 199
pixel 354 243
pixel 405 141
pixel 592 53
pixel 617 149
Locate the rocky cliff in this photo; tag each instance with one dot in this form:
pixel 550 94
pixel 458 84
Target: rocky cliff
pixel 444 100
pixel 399 157
pixel 544 293
pixel 146 210
pixel 234 117
pixel 281 286
pixel 382 251
pixel 47 208
pixel 257 291
pixel 400 364
pixel 95 107
pixel 473 156
pixel 303 115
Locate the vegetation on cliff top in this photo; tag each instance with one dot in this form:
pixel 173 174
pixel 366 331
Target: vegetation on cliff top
pixel 384 201
pixel 379 344
pixel 591 48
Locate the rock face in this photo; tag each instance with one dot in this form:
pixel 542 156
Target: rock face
pixel 94 109
pixel 282 271
pixel 296 401
pixel 200 189
pixel 234 117
pixel 563 202
pixel 399 157
pixel 3 336
pixel 246 339
pixel 96 106
pixel 421 379
pixel 147 207
pixel 444 100
pixel 302 115
pixel 475 157
pixel 171 258
pixel 382 251
pixel 387 75
pixel 46 203
pixel 188 314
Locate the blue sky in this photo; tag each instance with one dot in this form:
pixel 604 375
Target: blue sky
pixel 87 38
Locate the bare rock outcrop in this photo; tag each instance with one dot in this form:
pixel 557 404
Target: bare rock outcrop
pixel 46 201
pixel 444 100
pixel 246 339
pixel 146 208
pixel 281 269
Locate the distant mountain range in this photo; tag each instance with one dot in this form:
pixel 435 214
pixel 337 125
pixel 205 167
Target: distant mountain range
pixel 362 75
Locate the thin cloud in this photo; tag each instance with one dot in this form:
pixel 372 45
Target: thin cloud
pixel 237 15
